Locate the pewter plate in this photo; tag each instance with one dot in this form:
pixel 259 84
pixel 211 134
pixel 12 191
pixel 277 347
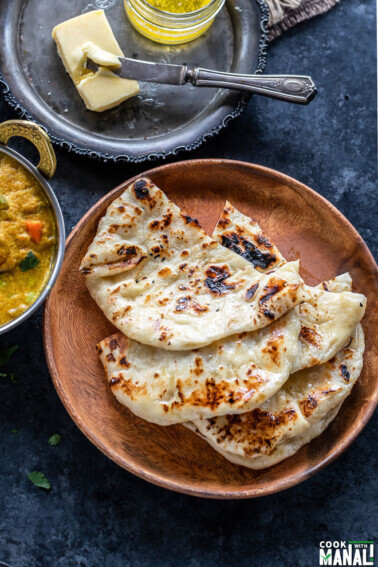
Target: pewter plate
pixel 162 120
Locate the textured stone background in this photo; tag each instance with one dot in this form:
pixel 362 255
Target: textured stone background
pixel 96 513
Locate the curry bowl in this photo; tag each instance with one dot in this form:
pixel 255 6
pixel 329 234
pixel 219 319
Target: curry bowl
pixel 32 231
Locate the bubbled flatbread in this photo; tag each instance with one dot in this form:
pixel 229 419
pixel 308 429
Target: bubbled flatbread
pixel 163 282
pixel 301 410
pixel 235 374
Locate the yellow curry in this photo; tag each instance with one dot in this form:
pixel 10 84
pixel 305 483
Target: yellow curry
pixel 27 239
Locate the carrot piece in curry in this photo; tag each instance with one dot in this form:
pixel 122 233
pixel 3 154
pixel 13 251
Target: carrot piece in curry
pixel 34 228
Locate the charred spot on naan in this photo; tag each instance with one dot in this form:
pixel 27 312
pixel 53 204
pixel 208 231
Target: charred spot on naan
pixel 186 303
pixel 215 392
pixel 209 244
pixel 189 220
pixel 131 388
pixel 120 259
pixel 161 224
pixel 257 431
pixel 261 260
pixel 183 304
pixel 251 292
pixel 308 405
pixel 216 280
pixel 165 334
pixel 198 366
pixel 223 222
pixel 311 401
pixel 345 372
pixel 276 288
pixel 127 252
pixel 130 259
pixel 165 272
pixel 118 346
pixel 115 343
pixel 263 240
pixel 140 189
pixel 268 314
pixel 113 228
pixel 310 336
pixel 274 345
pixel 124 362
pixel 145 191
pixel 224 219
pixel 244 236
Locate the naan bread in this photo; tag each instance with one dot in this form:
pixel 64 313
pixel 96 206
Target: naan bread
pixel 304 406
pixel 235 374
pixel 163 282
pixel 300 411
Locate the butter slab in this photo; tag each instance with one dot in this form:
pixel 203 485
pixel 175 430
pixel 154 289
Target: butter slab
pixel 105 90
pixel 91 35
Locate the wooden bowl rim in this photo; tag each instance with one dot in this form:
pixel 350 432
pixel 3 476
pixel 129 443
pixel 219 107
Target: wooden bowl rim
pixel 160 480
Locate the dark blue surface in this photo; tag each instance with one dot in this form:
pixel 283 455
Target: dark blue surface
pixel 96 514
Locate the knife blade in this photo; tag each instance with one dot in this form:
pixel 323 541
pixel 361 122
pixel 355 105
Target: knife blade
pixel 165 73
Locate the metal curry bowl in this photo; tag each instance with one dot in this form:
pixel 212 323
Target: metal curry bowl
pixel 42 172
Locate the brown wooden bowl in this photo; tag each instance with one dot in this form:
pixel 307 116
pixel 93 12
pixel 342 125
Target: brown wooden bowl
pixel 303 225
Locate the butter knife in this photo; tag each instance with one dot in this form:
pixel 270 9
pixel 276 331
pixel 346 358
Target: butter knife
pixel 291 88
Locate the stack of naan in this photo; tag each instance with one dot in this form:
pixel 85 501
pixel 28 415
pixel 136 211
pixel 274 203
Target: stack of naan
pixel 220 334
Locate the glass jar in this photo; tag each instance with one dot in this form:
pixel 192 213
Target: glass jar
pixel 169 27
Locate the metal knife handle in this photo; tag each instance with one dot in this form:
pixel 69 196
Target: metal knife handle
pixel 291 88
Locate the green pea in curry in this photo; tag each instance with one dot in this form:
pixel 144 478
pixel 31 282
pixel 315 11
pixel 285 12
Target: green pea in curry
pixel 27 239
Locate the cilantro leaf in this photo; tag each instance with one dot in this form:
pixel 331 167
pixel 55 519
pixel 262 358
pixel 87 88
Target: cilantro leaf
pixel 54 439
pixel 14 431
pixel 39 479
pixel 8 375
pixel 30 261
pixel 6 354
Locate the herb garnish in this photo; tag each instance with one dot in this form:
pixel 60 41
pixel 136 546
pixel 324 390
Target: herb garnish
pixel 39 479
pixel 6 354
pixel 4 359
pixel 9 375
pixel 30 261
pixel 54 439
pixel 14 431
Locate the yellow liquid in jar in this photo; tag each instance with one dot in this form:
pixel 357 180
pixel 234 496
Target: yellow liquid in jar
pixel 164 34
pixel 178 7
